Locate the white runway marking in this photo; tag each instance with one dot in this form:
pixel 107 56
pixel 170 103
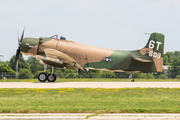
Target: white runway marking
pixel 90 85
pixel 82 116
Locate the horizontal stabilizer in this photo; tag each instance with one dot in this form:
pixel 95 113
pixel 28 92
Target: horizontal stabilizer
pixel 142 59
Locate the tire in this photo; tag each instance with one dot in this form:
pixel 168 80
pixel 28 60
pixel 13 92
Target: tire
pixel 42 77
pixel 51 78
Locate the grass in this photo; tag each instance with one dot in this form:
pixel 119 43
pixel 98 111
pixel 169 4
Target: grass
pixel 95 80
pixel 89 100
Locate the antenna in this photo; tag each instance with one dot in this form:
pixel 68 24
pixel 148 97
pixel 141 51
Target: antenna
pixel 147 33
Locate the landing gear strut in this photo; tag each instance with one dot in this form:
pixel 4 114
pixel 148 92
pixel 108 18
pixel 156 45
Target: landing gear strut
pixel 42 77
pixel 51 77
pixel 130 76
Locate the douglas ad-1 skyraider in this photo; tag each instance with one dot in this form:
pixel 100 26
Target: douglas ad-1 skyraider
pixel 64 53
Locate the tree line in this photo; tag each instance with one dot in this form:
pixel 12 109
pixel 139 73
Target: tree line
pixel 31 67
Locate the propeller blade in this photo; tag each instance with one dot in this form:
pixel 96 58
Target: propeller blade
pixel 21 55
pixel 18 39
pixel 18 52
pixel 22 36
pixel 17 55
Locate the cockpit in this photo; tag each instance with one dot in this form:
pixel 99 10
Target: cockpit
pixel 61 37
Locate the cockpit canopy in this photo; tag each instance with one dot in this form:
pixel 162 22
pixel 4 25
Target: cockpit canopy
pixel 61 37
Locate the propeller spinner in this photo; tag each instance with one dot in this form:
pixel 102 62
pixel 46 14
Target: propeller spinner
pixel 19 48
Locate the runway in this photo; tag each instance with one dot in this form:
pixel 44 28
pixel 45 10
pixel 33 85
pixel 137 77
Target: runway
pixel 88 116
pixel 90 85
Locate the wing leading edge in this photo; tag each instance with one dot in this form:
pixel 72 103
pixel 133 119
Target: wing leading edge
pixel 58 57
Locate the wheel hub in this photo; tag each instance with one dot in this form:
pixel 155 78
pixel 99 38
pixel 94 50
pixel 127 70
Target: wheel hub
pixel 51 77
pixel 42 77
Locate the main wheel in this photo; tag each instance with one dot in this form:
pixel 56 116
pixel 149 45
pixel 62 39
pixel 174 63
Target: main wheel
pixel 42 77
pixel 51 78
pixel 132 80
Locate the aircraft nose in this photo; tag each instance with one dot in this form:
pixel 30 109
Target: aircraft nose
pixel 29 45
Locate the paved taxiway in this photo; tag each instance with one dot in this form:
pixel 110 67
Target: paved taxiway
pixel 90 116
pixel 90 85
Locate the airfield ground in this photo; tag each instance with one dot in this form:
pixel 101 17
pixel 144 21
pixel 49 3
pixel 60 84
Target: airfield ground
pixel 90 100
pixel 94 80
pixel 95 99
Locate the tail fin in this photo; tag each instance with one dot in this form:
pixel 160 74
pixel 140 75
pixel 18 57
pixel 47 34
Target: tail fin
pixel 155 49
pixel 156 42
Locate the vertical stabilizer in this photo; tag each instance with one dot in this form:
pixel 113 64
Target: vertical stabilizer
pixel 155 49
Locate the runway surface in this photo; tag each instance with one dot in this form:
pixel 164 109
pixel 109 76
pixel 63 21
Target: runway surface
pixel 90 85
pixel 89 116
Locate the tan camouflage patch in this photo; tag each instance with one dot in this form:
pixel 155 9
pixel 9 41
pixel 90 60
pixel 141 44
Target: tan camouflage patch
pixel 83 53
pixel 144 51
pixel 49 44
pixel 159 64
pixel 33 51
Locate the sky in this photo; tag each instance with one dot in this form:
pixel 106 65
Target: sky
pixel 113 24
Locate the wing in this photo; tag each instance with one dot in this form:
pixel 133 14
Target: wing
pixel 59 58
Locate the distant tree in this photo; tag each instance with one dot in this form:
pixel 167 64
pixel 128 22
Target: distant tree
pixel 174 68
pixel 21 63
pixel 165 60
pixel 168 57
pixel 71 75
pixel 177 76
pixel 25 74
pixel 149 76
pixel 175 63
pixel 1 62
pixel 177 54
pixel 138 75
pixel 5 68
pixel 30 60
pixel 34 65
pixel 69 71
pixel 122 75
pixel 163 76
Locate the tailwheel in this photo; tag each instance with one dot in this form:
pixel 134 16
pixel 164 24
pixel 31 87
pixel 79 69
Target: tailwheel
pixel 132 80
pixel 42 77
pixel 51 78
pixel 130 76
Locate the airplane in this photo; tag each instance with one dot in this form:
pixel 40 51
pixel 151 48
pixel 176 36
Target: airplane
pixel 64 53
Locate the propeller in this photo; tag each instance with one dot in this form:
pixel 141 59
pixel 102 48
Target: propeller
pixel 18 51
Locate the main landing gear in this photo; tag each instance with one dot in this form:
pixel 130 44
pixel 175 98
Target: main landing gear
pixel 42 77
pixel 130 76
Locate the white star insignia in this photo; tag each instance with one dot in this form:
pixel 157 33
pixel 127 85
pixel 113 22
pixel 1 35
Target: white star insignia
pixel 107 59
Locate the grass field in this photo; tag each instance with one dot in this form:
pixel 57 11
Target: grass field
pixel 75 100
pixel 94 80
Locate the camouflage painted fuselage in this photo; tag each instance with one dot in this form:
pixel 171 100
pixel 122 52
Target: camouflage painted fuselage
pixel 147 59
